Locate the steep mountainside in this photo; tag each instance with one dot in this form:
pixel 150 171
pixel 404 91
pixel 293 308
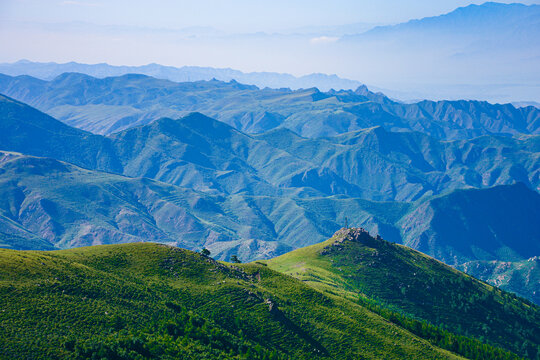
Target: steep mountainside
pixel 112 104
pixel 50 204
pixel 406 166
pixel 25 129
pixel 500 223
pixel 65 206
pixel 353 263
pixel 209 155
pixel 153 301
pixel 520 277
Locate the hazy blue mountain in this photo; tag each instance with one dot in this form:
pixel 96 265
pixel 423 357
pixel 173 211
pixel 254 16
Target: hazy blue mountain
pixel 488 19
pixel 488 51
pixel 483 52
pixel 208 155
pixel 50 70
pixel 25 129
pixel 113 104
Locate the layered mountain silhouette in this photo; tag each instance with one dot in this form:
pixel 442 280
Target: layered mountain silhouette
pixel 486 51
pixel 50 70
pixel 113 104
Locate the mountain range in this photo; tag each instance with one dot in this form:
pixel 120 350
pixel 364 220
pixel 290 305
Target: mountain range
pixel 109 105
pixel 357 226
pixel 197 182
pixel 51 70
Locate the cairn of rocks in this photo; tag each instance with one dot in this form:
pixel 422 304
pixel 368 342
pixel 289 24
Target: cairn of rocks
pixel 344 235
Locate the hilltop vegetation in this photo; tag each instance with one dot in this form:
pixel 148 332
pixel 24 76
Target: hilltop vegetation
pixel 154 301
pixel 353 264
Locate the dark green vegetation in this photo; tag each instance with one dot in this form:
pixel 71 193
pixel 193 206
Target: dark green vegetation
pixel 137 301
pixel 116 103
pixel 461 345
pixel 396 281
pixel 260 196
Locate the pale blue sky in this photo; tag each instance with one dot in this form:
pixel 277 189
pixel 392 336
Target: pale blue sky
pixel 300 37
pixel 232 15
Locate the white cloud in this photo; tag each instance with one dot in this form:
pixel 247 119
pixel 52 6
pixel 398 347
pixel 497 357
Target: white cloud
pixel 323 40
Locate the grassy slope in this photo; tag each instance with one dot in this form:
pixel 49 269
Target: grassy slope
pixel 103 298
pixel 412 283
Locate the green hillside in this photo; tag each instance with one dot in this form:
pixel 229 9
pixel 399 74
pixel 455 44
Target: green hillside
pixel 139 301
pixel 355 265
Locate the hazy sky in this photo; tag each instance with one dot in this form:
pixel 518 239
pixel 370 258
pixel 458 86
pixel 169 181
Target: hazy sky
pixel 229 15
pixel 298 37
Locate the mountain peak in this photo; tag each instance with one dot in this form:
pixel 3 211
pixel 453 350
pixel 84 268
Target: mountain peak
pixel 72 77
pixel 352 235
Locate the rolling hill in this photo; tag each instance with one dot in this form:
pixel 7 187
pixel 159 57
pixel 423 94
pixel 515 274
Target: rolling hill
pixel 354 264
pixel 155 301
pixel 149 300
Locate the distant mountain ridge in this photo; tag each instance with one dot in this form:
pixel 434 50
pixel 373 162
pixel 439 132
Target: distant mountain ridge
pixel 486 51
pixel 113 104
pixel 48 71
pixel 484 17
pixel 479 52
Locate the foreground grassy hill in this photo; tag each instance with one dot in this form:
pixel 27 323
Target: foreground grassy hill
pixel 386 276
pixel 139 301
